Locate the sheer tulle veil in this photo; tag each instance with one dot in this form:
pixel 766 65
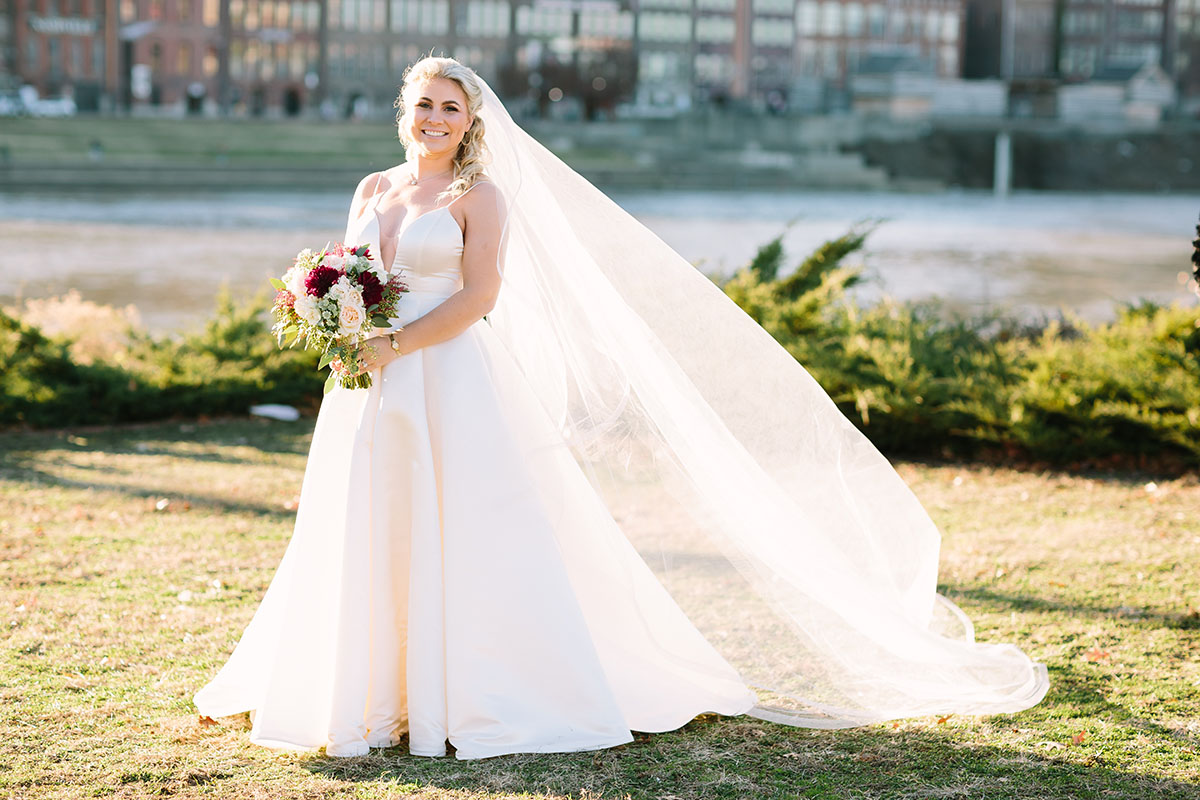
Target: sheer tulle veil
pixel 784 535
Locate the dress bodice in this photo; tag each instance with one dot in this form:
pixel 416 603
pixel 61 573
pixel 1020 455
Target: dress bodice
pixel 428 248
pixel 429 253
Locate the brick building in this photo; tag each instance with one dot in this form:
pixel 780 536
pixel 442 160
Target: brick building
pixel 346 56
pixel 57 47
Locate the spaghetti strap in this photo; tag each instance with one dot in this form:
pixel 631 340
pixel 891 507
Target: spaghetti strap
pixel 375 189
pixel 469 188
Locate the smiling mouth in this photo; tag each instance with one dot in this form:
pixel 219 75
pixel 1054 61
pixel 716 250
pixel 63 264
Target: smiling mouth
pixel 435 133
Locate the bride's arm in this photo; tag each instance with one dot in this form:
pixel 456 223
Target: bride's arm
pixel 483 216
pixel 366 187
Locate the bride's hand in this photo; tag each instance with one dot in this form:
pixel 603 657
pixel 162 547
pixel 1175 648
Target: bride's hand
pixel 374 353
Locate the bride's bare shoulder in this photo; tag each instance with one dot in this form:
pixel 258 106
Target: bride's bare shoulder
pixel 367 186
pixel 482 196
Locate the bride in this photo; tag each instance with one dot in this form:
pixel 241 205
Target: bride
pixel 585 495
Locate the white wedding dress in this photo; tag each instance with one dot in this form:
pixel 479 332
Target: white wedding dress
pixel 453 575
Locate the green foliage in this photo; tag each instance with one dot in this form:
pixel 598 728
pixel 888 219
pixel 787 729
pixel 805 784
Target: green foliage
pixel 222 368
pixel 1130 387
pixel 921 381
pixel 916 379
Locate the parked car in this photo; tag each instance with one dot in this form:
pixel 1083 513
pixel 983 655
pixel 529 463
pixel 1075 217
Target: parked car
pixel 53 107
pixel 11 105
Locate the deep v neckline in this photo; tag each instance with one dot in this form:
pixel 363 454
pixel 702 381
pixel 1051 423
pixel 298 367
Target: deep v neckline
pixel 405 224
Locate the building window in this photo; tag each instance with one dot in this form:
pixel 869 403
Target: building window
pixel 1078 60
pixel 807 17
pixel 718 30
pixel 75 53
pixel 854 17
pixel 183 59
pixel 97 57
pixel 212 13
pixel 877 21
pixel 54 55
pixel 714 68
pixel 553 21
pixel 606 22
pixel 950 26
pixel 771 32
pixel 211 62
pixel 663 26
pixel 660 67
pixel 1143 22
pixel 435 16
pixel 490 18
pixel 773 6
pixel 949 61
pixel 831 19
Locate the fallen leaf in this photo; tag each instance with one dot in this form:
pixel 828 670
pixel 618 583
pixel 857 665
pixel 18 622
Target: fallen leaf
pixel 1096 654
pixel 942 720
pixel 205 721
pixel 1078 738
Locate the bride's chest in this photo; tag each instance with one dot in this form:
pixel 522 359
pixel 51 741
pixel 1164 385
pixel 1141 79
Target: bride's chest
pixel 428 242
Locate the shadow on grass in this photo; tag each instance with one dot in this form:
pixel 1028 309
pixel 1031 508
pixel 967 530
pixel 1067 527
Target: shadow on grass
pixel 267 436
pixel 1180 620
pixel 24 459
pixel 1128 476
pixel 731 758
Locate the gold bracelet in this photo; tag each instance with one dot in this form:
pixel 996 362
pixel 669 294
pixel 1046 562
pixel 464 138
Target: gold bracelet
pixel 395 345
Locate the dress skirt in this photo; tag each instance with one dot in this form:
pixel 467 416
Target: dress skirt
pixel 454 576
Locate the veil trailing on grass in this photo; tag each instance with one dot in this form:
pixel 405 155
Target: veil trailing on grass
pixel 784 535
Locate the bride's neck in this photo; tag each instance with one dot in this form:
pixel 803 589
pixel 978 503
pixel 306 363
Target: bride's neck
pixel 424 168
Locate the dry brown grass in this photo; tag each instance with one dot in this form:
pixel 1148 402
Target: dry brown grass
pixel 116 607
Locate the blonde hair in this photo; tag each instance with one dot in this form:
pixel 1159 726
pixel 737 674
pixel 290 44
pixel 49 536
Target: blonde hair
pixel 472 153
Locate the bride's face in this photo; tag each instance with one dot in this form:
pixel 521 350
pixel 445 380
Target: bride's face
pixel 437 116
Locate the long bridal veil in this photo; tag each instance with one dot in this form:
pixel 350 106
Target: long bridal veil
pixel 788 540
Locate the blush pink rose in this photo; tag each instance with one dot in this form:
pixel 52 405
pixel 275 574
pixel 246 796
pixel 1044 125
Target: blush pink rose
pixel 351 318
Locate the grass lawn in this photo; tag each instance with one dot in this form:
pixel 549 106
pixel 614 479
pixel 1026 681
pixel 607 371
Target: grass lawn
pixel 131 559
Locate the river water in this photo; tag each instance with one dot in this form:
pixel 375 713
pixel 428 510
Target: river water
pixel 1028 255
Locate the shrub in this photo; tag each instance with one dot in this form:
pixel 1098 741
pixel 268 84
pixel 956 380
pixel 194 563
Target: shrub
pixel 223 368
pixel 921 381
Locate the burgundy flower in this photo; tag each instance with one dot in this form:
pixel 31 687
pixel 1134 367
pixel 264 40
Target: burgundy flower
pixel 372 289
pixel 361 250
pixel 320 279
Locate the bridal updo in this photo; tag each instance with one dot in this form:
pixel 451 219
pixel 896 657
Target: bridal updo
pixel 472 154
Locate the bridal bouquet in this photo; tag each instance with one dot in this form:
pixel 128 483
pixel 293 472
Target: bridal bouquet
pixel 332 300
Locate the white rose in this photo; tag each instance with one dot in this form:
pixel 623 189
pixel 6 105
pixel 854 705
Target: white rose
pixel 306 308
pixel 333 261
pixel 344 291
pixel 351 317
pixel 294 280
pixel 380 271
